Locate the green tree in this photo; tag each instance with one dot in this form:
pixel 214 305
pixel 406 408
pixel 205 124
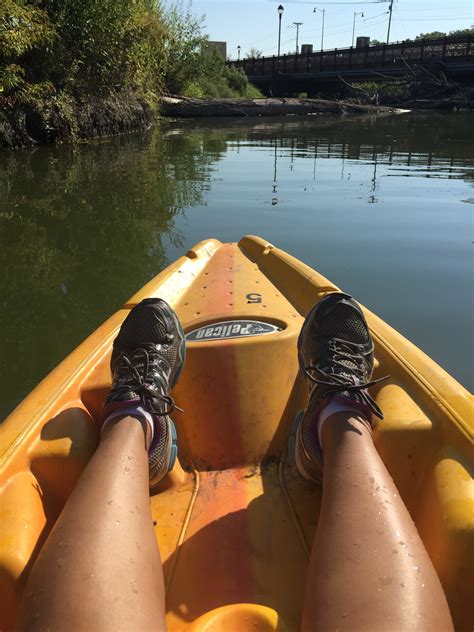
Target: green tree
pixel 55 54
pixel 23 29
pixel 469 31
pixel 82 45
pixel 107 44
pixel 186 54
pixel 431 35
pixel 254 53
pixel 194 68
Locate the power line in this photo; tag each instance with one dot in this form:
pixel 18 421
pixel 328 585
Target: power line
pixel 370 23
pixel 438 17
pixel 450 8
pixel 397 27
pixel 336 3
pixel 375 16
pixel 332 33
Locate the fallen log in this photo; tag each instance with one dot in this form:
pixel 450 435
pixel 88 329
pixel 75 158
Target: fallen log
pixel 186 107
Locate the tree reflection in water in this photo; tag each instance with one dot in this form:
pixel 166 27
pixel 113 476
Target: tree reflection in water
pixel 81 229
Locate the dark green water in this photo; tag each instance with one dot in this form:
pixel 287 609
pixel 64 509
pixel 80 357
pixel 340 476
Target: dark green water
pixel 382 206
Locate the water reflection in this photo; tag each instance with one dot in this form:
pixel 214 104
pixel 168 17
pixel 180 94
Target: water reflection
pixel 81 228
pixel 437 141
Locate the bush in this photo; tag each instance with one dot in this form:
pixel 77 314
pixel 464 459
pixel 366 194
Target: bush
pixel 87 47
pixel 82 45
pixel 23 29
pixel 214 79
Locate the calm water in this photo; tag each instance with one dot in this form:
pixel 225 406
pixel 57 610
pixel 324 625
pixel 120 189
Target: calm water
pixel 382 206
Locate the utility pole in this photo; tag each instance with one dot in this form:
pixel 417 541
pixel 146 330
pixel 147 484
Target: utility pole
pixel 389 21
pixel 354 25
pixel 323 11
pixel 297 24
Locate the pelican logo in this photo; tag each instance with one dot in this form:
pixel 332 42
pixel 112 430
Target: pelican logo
pixel 231 329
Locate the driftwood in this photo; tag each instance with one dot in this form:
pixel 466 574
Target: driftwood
pixel 423 88
pixel 186 107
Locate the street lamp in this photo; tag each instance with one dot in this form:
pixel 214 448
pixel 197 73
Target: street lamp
pixel 280 13
pixel 323 11
pixel 238 53
pixel 354 25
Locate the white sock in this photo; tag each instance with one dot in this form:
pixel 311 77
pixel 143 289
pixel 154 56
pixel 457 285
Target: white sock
pixel 335 406
pixel 134 411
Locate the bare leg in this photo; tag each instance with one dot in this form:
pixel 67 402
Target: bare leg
pixel 100 568
pixel 368 570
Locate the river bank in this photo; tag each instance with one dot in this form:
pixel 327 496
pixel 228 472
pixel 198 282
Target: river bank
pixel 63 119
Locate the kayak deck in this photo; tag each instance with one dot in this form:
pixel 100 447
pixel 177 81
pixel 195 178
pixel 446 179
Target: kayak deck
pixel 234 521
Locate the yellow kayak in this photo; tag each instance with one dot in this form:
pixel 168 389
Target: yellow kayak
pixel 233 519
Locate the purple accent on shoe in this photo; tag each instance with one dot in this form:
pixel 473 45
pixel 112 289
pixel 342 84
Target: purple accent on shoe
pixel 112 407
pixel 348 401
pixel 130 407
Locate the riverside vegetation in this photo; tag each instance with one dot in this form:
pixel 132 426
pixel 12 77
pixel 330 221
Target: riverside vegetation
pixel 72 69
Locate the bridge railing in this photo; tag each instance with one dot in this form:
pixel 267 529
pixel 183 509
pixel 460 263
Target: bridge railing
pixel 446 50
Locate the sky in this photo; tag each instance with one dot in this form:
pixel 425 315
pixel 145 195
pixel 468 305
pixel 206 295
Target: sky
pixel 254 23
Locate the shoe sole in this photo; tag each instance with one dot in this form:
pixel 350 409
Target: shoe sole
pixel 181 351
pixel 172 447
pixel 171 455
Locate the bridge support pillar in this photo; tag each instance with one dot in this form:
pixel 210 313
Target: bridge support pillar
pixel 279 87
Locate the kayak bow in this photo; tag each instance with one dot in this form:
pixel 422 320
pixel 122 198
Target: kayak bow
pixel 234 521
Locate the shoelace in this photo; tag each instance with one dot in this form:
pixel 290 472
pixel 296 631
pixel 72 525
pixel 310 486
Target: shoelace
pixel 340 382
pixel 140 383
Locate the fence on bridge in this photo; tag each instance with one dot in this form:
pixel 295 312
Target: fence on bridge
pixel 456 49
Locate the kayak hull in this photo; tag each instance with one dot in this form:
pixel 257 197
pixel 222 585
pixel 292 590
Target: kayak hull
pixel 234 521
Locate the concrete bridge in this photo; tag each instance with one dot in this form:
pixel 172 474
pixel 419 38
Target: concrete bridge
pixel 290 74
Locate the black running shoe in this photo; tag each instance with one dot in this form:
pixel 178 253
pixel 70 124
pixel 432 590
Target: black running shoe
pixel 336 355
pixel 147 361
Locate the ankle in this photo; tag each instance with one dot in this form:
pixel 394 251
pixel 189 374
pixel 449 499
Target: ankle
pixel 342 426
pixel 128 423
pixel 340 404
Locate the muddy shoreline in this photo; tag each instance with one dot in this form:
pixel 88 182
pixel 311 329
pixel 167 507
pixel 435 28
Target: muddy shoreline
pixel 62 119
